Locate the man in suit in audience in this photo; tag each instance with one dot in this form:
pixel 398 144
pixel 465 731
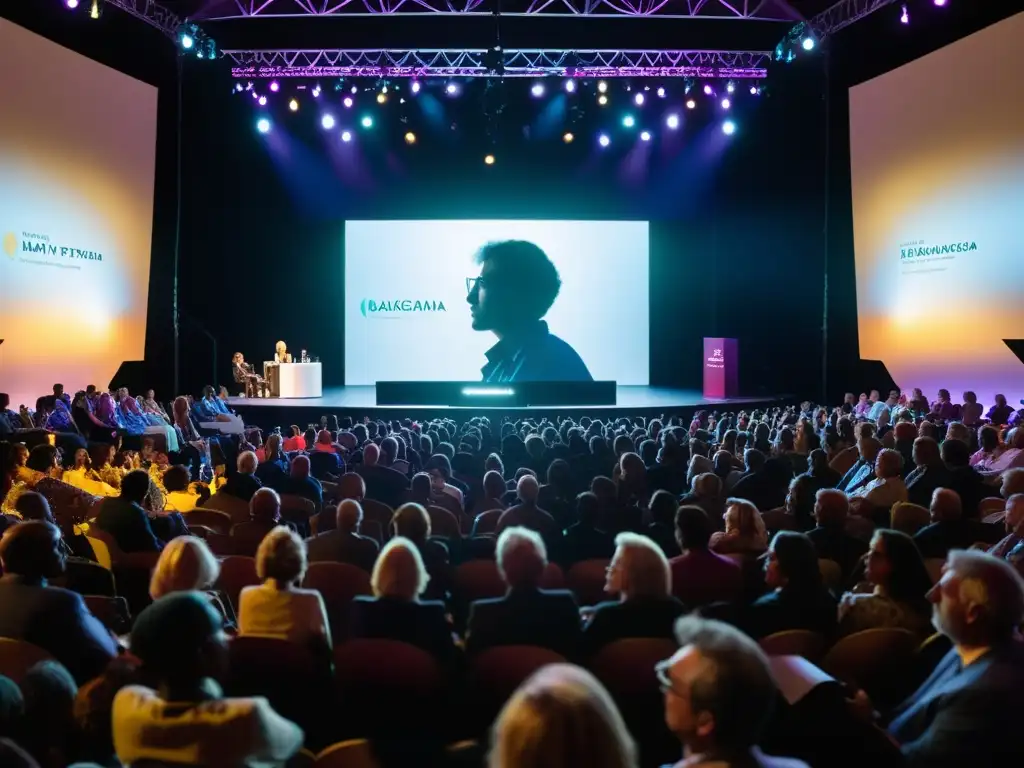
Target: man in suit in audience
pixel 344 544
pixel 949 528
pixel 383 483
pixel 124 518
pixel 863 470
pixel 968 711
pixel 52 618
pixel 829 537
pixel 928 474
pixel 527 514
pixel 301 483
pixel 243 483
pixel 527 614
pixel 719 696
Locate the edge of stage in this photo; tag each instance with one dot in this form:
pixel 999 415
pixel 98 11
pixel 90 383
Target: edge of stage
pixel 361 401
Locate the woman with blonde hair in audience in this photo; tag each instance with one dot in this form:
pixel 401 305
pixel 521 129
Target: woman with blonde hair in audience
pixel 561 717
pixel 745 532
pixel 186 564
pixel 278 607
pixel 395 612
pixel 897 583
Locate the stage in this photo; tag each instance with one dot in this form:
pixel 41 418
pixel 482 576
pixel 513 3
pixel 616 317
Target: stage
pixel 361 401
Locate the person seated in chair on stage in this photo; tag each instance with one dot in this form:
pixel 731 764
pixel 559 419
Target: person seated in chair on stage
pixel 281 353
pixel 255 385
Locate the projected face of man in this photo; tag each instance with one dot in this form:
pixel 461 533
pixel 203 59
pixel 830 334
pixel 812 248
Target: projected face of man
pixel 490 303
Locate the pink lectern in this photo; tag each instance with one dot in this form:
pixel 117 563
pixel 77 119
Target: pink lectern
pixel 721 366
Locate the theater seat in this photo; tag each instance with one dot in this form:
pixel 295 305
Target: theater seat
pixel 443 523
pixel 586 579
pixel 478 580
pixel 232 506
pixel 831 574
pixel 486 522
pixel 795 642
pixel 338 583
pixel 17 657
pixel 495 674
pixel 378 512
pixel 236 572
pixel 877 660
pixel 354 753
pixel 219 522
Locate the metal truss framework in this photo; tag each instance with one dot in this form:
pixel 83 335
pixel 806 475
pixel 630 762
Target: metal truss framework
pixel 517 63
pixel 753 10
pixel 152 13
pixel 843 14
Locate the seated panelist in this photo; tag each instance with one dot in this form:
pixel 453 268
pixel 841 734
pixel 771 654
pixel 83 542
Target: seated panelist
pixel 281 353
pixel 244 374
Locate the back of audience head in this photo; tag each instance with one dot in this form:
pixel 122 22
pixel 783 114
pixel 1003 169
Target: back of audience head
pixel 48 728
pixel 176 478
pixel 371 454
pixel 693 529
pixel 420 486
pixel 186 563
pixel 926 452
pixel 349 516
pixel 281 556
pixel 905 431
pixel 638 568
pixel 831 507
pixel 247 463
pixel 352 486
pixel 792 562
pixel 179 640
pixel 521 556
pixel 663 506
pixel 33 506
pixel 889 463
pixel 588 509
pixel 32 550
pixel 1012 482
pixel 946 505
pixel 955 453
pixel 707 484
pixel 527 489
pixel 399 572
pixel 42 458
pixel 561 717
pixel 979 600
pixel 988 438
pixel 742 518
pixel 412 522
pixel 753 459
pixel 265 506
pixel 493 485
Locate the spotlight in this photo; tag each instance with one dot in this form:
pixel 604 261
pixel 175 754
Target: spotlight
pixel 254 94
pixel 726 103
pixel 263 125
pixel 638 99
pixel 753 90
pixel 346 136
pixel 603 140
pixel 187 41
pixel 488 159
pixel 628 121
pixel 239 87
pixel 730 86
pixel 415 87
pixel 451 89
pixel 71 4
pixel 602 86
pixel 807 43
pixel 366 122
pixel 354 90
pixel 728 127
pixel 602 100
pixel 691 104
pixel 410 137
pixel 382 97
pixel 567 137
pixel 293 105
pixel 570 86
pixel 940 3
pixel 316 91
pixel 904 17
pixel 537 90
pixel 95 9
pixel 327 122
pixel 347 101
pixel 383 89
pixel 262 101
pixel 645 135
pixel 708 90
pixel 274 86
pixel 672 121
pixel 661 93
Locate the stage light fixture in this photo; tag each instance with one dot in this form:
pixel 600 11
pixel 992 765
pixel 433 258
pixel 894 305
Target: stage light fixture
pixel 293 105
pixel 645 135
pixel 274 86
pixel 730 86
pixel 71 4
pixel 753 90
pixel 726 103
pixel 602 86
pixel 602 100
pixel 384 89
pixel 488 159
pixel 410 137
pixel 354 90
pixel 691 104
pixel 366 122
pixel 262 101
pixel 382 98
pixel 728 127
pixel 628 121
pixel 95 9
pixel 661 93
pixel 603 140
pixel 672 121
pixel 904 16
pixel 940 3
pixel 807 43
pixel 327 121
pixel 239 87
pixel 567 137
pixel 254 94
pixel 451 89
pixel 415 87
pixel 537 90
pixel 263 125
pixel 316 91
pixel 346 136
pixel 347 101
pixel 570 86
pixel 708 90
pixel 187 41
pixel 638 99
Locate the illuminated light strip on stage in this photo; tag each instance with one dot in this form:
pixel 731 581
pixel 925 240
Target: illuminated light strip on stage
pixel 488 391
pixel 516 63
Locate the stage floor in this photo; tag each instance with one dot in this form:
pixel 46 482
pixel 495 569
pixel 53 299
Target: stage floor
pixel 631 399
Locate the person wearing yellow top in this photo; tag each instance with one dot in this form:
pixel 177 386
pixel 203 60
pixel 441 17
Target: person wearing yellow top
pixel 180 494
pixel 84 477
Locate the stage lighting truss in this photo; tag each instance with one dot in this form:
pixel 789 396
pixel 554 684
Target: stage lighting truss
pixel 517 63
pixel 152 13
pixel 834 18
pixel 753 10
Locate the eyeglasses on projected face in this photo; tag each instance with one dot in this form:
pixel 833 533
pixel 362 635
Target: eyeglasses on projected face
pixel 473 284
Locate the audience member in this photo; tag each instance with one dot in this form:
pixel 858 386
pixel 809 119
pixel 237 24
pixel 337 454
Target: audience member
pixel 412 522
pixel 243 483
pixel 561 717
pixel 185 720
pixel 344 544
pixel 829 537
pixel 185 565
pixel 264 516
pixel 527 514
pixel 279 607
pixel 899 582
pixel 527 614
pixel 929 472
pixel 639 574
pixel 383 483
pixel 949 528
pixel 124 518
pixel 706 493
pixel 719 697
pixel 661 526
pixel 395 611
pixel 699 576
pixel 744 533
pixel 1009 548
pixel 863 471
pixel 584 540
pixel 48 730
pixel 887 488
pixel 300 483
pixel 53 618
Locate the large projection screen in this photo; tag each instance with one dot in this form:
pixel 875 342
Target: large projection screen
pixel 407 317
pixel 937 153
pixel 77 157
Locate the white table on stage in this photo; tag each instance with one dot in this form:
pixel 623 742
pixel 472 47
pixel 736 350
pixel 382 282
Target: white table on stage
pixel 301 380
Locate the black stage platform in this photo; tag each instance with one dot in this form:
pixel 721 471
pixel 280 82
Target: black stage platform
pixel 361 401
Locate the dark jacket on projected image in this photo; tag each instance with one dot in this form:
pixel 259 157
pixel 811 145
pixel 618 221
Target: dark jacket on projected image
pixel 536 355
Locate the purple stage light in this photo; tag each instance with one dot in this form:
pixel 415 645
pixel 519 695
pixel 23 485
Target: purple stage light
pixel 904 16
pixel 346 136
pixel 661 93
pixel 753 90
pixel 730 86
pixel 354 89
pixel 327 122
pixel 940 3
pixel 347 101
pixel 263 125
pixel 537 90
pixel 638 99
pixel 691 104
pixel 726 103
pixel 570 86
pixel 262 101
pixel 645 135
pixel 71 4
pixel 672 121
pixel 728 127
pixel 708 90
pixel 603 140
pixel 451 89
pixel 316 91
pixel 274 86
pixel 415 87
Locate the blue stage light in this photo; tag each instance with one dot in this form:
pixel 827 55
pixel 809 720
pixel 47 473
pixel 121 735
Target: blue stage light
pixel 263 125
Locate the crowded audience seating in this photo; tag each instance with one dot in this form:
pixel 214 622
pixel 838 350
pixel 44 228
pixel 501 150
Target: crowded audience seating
pixel 825 552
